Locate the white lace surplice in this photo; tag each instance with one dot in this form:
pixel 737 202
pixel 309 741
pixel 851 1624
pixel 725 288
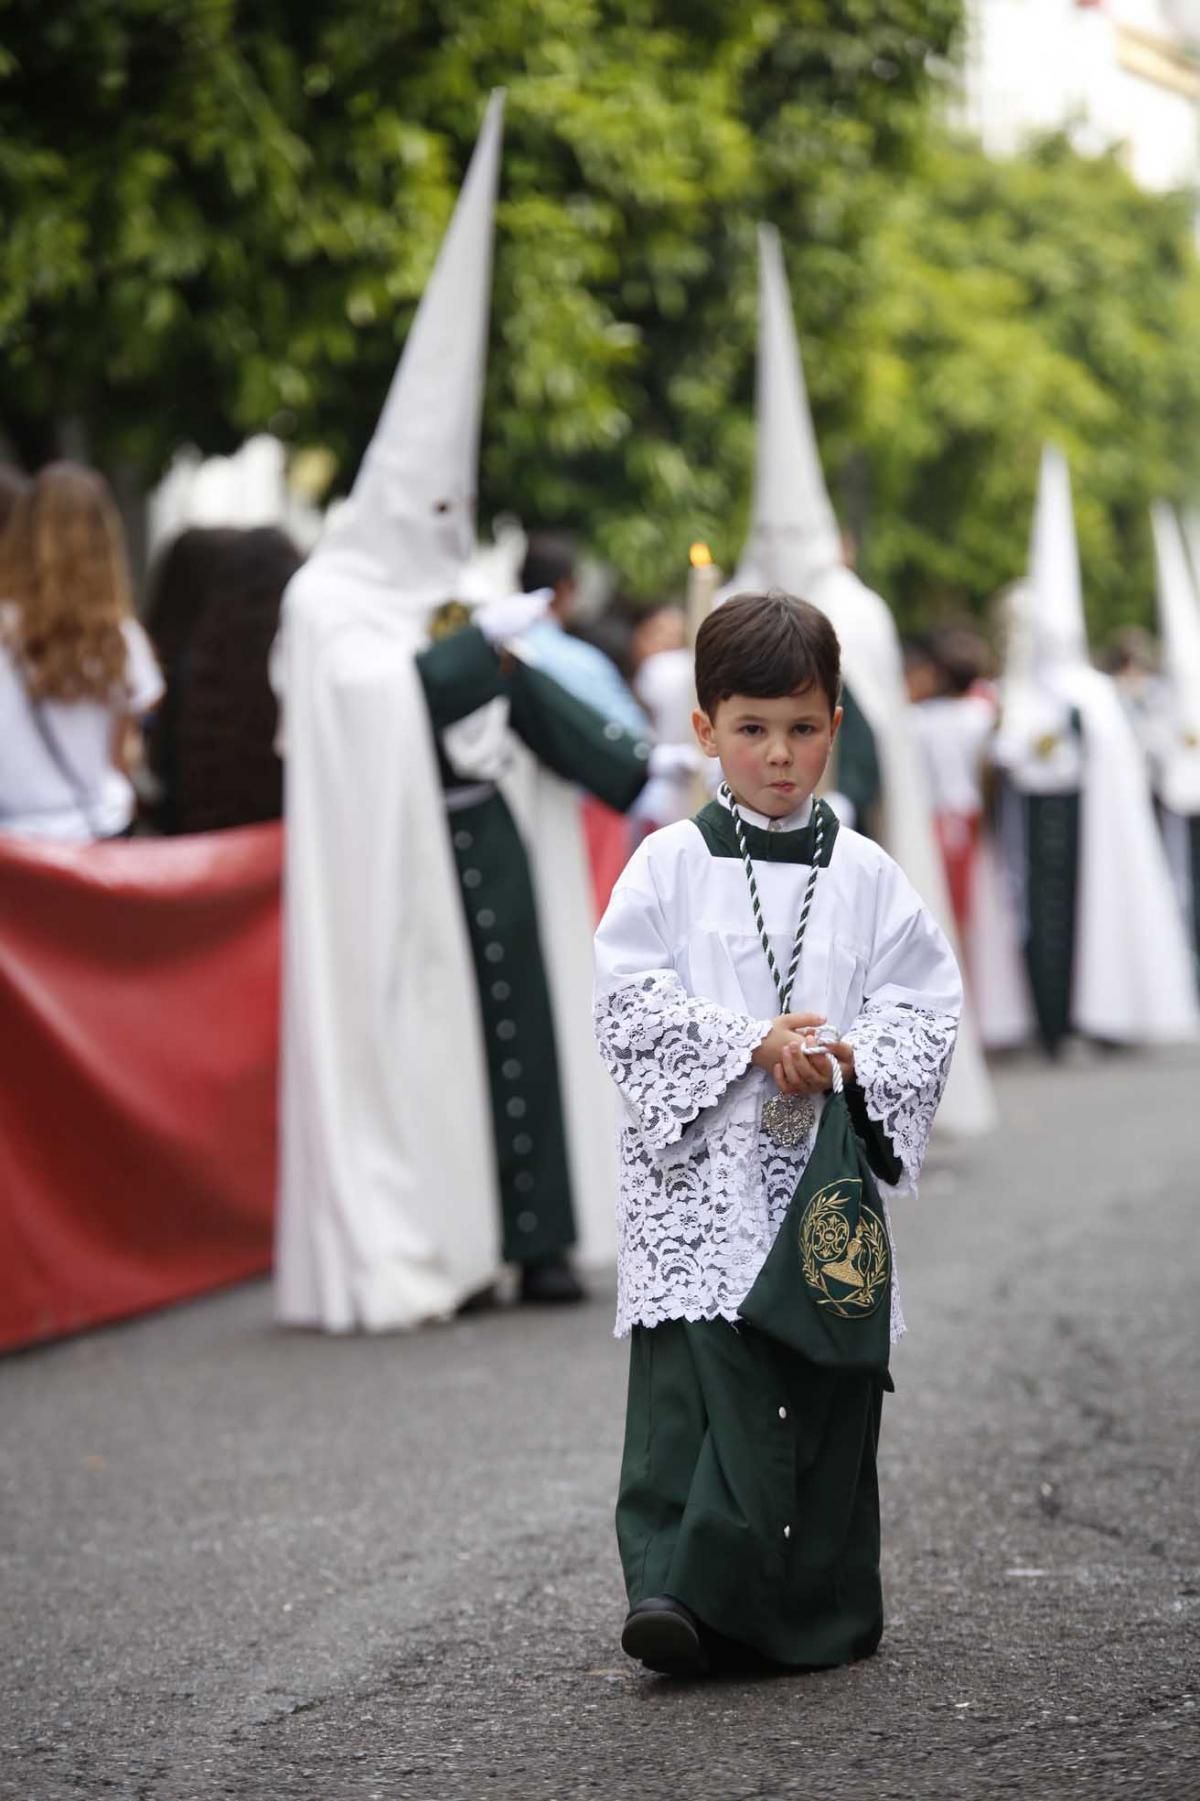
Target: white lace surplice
pixel 683 998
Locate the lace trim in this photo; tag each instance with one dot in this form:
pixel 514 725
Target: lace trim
pixel 694 1232
pixel 671 1055
pixel 901 1059
pixel 695 1223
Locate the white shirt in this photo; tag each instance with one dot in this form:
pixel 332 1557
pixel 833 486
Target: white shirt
pixel 36 798
pixel 666 687
pixel 684 996
pixel 954 732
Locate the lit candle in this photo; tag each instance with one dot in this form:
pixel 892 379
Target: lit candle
pixel 704 578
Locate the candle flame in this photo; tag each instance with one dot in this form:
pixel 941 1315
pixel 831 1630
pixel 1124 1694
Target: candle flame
pixel 700 556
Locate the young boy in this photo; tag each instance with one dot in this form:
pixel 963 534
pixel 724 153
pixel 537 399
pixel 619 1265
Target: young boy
pixel 748 1512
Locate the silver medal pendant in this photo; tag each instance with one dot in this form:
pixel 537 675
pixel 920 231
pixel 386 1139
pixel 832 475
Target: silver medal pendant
pixel 789 1118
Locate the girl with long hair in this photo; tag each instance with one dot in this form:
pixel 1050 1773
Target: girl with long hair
pixel 76 669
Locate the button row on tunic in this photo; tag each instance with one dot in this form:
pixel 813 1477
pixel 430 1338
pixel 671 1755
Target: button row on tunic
pixel 524 1182
pixel 614 733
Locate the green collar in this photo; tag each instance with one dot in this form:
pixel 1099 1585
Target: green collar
pixel 715 825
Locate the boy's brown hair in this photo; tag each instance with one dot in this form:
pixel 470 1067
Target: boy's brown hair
pixel 766 645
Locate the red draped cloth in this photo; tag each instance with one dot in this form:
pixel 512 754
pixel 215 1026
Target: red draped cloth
pixel 607 837
pixel 139 1004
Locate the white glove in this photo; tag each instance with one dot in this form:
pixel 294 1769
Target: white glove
pixel 511 615
pixel 673 760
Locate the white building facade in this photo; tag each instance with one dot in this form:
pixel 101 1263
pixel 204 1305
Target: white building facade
pixel 1112 73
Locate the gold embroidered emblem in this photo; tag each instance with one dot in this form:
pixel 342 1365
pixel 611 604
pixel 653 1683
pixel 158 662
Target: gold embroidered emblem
pixel 1046 745
pixel 448 619
pixel 846 1269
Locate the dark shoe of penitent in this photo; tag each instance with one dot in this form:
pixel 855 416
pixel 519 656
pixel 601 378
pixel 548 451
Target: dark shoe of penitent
pixel 550 1282
pixel 665 1635
pixel 482 1301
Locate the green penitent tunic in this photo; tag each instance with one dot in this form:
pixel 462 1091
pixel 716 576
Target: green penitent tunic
pixel 459 675
pixel 855 771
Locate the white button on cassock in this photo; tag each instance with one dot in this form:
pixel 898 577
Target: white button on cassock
pixel 783 1413
pixel 787 1532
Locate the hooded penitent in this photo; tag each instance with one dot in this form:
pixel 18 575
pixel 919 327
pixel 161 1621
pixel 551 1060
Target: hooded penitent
pixel 388 1204
pixel 1177 746
pixel 1105 946
pixel 795 544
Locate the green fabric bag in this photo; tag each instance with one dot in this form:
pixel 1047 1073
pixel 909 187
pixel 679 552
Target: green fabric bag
pixel 825 1288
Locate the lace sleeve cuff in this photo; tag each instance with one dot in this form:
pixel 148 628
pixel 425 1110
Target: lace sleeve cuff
pixel 901 1061
pixel 671 1055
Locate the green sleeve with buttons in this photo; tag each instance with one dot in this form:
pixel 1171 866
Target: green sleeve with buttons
pixel 574 741
pixel 459 674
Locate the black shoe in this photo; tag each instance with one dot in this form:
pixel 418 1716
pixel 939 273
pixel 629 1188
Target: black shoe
pixel 550 1282
pixel 482 1301
pixel 665 1636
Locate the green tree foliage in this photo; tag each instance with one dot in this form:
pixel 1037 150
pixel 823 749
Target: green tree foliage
pixel 218 217
pixel 1010 302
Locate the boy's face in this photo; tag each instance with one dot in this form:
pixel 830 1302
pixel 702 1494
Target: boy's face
pixel 773 752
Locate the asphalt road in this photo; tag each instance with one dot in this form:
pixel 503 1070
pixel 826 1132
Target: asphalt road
pixel 241 1562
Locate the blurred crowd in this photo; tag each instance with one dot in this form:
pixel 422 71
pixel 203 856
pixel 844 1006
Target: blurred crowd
pixel 116 719
pixel 113 724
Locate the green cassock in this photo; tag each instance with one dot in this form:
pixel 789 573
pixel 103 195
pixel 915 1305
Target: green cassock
pixel 748 1485
pixel 460 674
pixel 1051 824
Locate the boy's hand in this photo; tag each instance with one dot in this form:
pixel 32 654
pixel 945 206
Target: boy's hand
pixel 789 1028
pixel 801 1072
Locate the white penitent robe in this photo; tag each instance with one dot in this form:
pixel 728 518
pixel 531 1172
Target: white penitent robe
pixel 873 668
pixel 953 732
pixel 684 995
pixel 388 1212
pixel 1132 981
